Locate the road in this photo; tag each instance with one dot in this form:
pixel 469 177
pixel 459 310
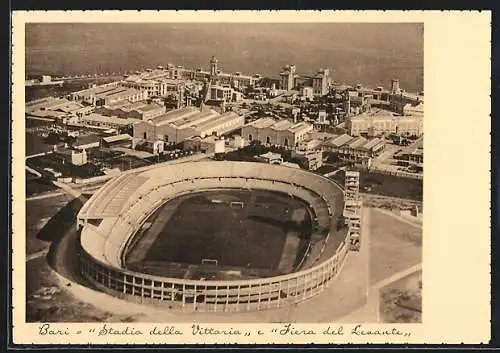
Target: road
pixel 33 171
pixel 37 255
pixel 45 196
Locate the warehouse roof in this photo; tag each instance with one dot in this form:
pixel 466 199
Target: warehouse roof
pixel 216 121
pixel 107 119
pixel 340 140
pixel 262 123
pixel 122 137
pixel 282 125
pixel 299 127
pixel 357 142
pixel 173 115
pixel 373 143
pixel 194 119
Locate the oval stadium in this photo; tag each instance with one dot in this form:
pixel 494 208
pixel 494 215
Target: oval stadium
pixel 216 236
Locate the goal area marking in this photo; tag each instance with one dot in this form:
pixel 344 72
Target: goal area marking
pixel 237 204
pixel 209 262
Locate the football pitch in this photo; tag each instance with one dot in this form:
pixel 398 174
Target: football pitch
pixel 243 230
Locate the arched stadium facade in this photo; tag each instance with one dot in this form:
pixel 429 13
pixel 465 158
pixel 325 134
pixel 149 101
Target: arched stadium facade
pixel 112 216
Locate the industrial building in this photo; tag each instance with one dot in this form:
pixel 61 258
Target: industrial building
pixel 87 142
pixel 177 125
pixel 138 110
pixel 108 94
pixel 278 133
pixel 384 123
pixel 101 121
pixel 355 149
pixel 209 144
pixel 122 140
pixel 156 84
pixel 51 107
pixel 236 79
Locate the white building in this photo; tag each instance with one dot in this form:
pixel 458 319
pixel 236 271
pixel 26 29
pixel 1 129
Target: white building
pixel 287 77
pixel 177 125
pixel 321 82
pixel 307 93
pixel 385 124
pixel 279 133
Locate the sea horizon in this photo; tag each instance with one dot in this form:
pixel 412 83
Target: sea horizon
pixel 369 54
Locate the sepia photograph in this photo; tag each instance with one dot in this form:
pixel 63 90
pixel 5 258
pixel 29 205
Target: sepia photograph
pixel 224 172
pixel 217 177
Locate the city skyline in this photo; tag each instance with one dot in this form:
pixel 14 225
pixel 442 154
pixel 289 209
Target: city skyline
pixel 370 54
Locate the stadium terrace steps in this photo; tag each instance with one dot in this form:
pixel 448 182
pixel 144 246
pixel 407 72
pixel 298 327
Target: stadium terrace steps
pixel 152 188
pixel 114 198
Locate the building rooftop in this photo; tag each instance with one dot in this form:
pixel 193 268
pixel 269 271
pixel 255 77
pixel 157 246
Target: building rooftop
pixel 39 101
pixel 117 105
pixel 71 107
pixel 419 108
pixel 86 140
pixel 291 165
pixel 47 104
pixel 282 125
pixel 299 127
pixel 381 114
pixel 373 90
pixel 262 123
pixel 270 155
pixel 122 137
pixel 171 81
pixel 216 121
pixel 357 142
pixel 135 105
pixel 417 151
pixel 173 115
pixel 147 107
pixel 107 119
pixel 118 92
pixel 94 91
pixel 192 120
pixel 373 143
pixel 46 114
pixel 340 140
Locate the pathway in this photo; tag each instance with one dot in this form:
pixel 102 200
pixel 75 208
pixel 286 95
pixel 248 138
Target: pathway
pixel 36 255
pixel 45 196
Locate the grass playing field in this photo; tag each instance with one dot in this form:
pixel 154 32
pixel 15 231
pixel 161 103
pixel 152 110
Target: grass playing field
pixel 245 231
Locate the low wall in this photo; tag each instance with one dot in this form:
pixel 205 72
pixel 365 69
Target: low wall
pixel 245 295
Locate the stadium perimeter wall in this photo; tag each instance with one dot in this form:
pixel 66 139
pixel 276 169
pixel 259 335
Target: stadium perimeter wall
pixel 107 273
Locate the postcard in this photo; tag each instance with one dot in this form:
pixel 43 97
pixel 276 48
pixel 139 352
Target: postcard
pixel 250 177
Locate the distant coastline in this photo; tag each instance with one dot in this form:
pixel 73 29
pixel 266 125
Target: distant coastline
pixel 370 54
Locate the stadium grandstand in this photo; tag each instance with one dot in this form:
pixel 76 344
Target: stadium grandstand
pixel 111 218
